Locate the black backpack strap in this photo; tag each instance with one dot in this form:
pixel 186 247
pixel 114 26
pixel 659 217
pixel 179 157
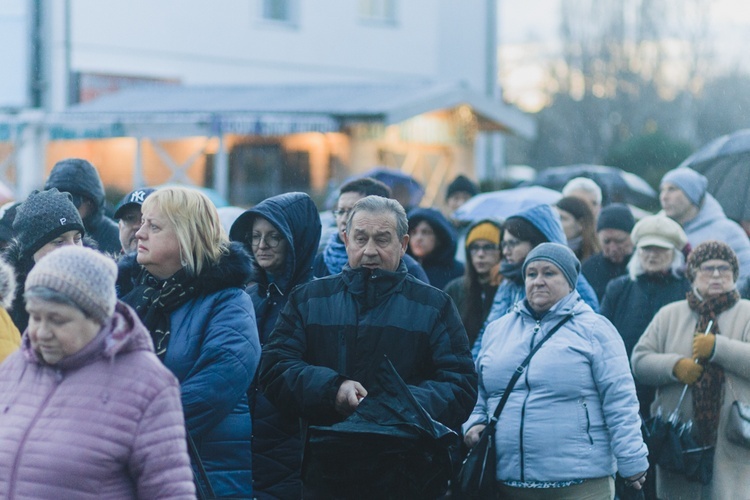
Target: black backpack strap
pixel 521 368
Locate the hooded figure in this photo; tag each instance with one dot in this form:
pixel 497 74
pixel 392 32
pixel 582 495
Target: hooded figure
pixel 277 448
pixel 437 256
pixel 79 178
pixel 546 221
pixel 45 220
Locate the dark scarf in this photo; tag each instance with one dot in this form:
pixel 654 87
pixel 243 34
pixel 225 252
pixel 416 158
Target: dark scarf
pixel 513 272
pixel 708 391
pixel 154 300
pixel 334 254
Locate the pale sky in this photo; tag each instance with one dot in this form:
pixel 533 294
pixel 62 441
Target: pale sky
pixel 528 32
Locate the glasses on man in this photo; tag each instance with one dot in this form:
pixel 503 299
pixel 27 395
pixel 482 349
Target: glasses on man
pixel 474 249
pixel 723 270
pixel 272 240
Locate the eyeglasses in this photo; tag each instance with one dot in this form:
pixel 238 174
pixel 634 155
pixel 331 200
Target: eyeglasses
pixel 723 270
pixel 487 248
pixel 272 240
pixel 341 213
pixel 510 244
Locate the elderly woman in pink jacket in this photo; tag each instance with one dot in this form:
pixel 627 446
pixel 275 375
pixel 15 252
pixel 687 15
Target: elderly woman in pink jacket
pixel 86 408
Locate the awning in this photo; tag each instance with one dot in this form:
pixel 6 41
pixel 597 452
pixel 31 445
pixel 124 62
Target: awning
pixel 272 110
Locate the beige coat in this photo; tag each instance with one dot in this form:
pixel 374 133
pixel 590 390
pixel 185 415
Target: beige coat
pixel 668 338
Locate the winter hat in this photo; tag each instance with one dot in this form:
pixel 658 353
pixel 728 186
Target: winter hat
pixel 484 231
pixel 559 255
pixel 44 216
pixel 459 184
pixel 132 199
pixel 616 216
pixel 83 275
pixel 658 231
pixel 710 250
pixel 691 183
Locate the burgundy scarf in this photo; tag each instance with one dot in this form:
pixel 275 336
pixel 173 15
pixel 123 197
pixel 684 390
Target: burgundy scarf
pixel 709 390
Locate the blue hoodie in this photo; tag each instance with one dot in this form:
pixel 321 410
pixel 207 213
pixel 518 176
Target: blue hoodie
pixel 547 221
pixel 440 265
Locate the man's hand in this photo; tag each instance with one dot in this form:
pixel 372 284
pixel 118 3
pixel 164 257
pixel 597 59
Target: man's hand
pixel 687 371
pixel 348 398
pixel 636 481
pixel 703 345
pixel 472 435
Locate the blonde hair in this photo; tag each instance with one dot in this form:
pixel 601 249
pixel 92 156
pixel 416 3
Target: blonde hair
pixel 200 235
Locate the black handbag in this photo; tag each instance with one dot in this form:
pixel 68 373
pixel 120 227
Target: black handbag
pixel 738 421
pixel 476 479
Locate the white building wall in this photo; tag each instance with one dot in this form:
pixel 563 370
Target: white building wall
pixel 227 41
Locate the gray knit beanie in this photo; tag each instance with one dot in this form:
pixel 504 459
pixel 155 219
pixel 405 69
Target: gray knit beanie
pixel 559 255
pixel 691 183
pixel 44 216
pixel 83 275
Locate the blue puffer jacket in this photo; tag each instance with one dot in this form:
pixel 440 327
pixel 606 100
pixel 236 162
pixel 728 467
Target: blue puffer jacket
pixel 214 352
pixel 573 414
pixel 440 265
pixel 277 448
pixel 547 221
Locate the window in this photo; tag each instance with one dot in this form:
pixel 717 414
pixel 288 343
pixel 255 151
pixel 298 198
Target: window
pixel 380 11
pixel 278 10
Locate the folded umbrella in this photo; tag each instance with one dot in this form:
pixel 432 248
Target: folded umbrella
pixel 390 440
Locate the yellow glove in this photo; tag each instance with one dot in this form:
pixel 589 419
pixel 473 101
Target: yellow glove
pixel 703 345
pixel 687 371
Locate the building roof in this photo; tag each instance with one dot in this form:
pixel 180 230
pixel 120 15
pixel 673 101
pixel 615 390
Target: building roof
pixel 278 109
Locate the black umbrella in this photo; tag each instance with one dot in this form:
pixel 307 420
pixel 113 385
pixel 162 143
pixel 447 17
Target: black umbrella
pixel 618 186
pixel 390 440
pixel 726 164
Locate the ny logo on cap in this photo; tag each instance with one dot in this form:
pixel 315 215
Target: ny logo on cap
pixel 138 197
pixel 63 221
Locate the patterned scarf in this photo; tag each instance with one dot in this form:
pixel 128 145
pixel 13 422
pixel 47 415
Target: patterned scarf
pixel 154 300
pixel 708 391
pixel 334 254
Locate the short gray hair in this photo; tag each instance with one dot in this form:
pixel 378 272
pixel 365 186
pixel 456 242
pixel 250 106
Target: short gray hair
pixel 378 204
pixel 583 184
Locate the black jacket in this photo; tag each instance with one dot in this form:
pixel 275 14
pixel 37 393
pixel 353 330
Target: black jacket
pixel 631 305
pixel 79 177
pixel 599 271
pixel 341 327
pixel 277 448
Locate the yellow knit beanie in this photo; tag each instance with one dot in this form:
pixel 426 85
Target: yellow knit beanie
pixel 484 231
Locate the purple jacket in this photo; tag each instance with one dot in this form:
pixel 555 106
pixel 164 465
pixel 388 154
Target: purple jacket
pixel 105 422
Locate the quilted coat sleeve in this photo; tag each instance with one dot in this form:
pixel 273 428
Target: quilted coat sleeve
pixel 611 372
pixel 227 360
pixel 294 386
pixel 450 393
pixel 159 463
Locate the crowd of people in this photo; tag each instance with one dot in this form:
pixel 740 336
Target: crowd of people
pixel 176 352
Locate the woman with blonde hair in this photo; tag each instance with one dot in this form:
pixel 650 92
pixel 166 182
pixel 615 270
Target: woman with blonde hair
pixel 190 295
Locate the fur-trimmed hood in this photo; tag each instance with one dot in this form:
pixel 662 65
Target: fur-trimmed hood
pixel 7 284
pixel 233 270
